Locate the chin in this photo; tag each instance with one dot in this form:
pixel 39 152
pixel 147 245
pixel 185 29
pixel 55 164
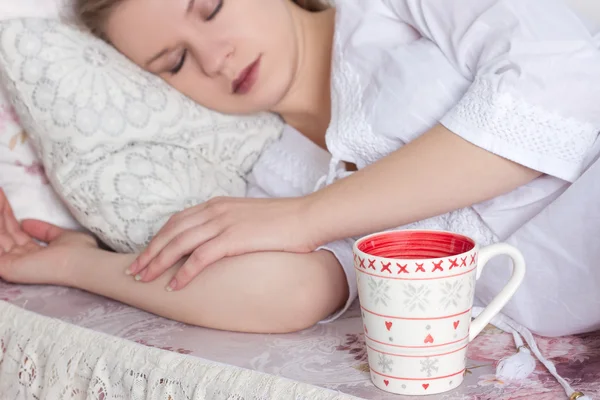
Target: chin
pixel 261 99
pixel 275 102
pixel 264 103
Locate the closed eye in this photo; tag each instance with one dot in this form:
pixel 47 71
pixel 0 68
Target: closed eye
pixel 214 13
pixel 179 65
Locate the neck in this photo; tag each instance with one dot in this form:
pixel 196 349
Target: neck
pixel 307 105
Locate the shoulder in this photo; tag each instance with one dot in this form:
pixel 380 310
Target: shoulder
pixel 367 21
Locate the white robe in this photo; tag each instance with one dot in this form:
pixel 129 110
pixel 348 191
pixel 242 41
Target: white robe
pixel 519 78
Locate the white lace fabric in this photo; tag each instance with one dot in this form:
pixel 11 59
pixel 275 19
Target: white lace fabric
pixel 44 358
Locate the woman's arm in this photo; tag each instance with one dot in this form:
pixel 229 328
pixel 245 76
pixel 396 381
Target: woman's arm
pixel 261 292
pixel 436 173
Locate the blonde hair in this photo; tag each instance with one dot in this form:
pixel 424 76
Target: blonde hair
pixel 93 14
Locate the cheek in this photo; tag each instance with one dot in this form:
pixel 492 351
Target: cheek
pixel 266 25
pixel 201 91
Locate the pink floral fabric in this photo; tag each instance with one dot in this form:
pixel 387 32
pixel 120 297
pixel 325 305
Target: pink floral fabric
pixel 8 116
pixel 331 355
pixel 17 151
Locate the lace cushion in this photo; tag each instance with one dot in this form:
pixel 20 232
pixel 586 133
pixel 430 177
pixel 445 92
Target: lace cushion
pixel 122 148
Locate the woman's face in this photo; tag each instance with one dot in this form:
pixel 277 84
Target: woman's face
pixel 232 56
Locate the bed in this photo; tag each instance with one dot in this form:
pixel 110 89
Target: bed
pixel 61 343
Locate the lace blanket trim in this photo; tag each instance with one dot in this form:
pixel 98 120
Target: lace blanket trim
pixel 46 358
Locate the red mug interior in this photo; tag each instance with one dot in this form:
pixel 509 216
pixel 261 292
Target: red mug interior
pixel 409 245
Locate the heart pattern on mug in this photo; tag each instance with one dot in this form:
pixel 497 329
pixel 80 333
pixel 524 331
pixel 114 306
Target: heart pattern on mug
pixel 386 382
pixel 425 386
pixel 388 325
pixel 456 324
pixel 428 339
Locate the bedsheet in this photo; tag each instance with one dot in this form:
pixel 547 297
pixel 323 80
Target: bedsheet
pixel 330 356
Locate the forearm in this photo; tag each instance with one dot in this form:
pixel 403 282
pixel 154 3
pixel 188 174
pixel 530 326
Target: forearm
pixel 261 292
pixel 437 173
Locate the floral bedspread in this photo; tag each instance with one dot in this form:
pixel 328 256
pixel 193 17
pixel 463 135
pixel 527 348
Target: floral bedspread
pixel 331 356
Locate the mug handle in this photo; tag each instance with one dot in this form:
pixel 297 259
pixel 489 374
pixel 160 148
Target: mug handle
pixel 518 274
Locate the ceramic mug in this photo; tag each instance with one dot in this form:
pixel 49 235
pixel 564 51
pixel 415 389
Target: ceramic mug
pixel 416 291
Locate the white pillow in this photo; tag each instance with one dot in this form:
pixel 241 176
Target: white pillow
pixel 122 148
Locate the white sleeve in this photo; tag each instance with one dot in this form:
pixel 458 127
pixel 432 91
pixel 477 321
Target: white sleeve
pixel 289 167
pixel 536 77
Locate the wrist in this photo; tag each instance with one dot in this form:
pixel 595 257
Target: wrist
pixel 314 221
pixel 85 258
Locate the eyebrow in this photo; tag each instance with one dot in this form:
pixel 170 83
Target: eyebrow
pixel 189 8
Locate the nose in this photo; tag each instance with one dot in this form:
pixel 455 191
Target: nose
pixel 213 56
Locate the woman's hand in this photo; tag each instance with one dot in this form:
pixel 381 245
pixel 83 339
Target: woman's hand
pixel 224 227
pixel 22 260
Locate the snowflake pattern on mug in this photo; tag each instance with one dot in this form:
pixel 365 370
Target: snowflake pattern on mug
pixel 429 366
pixel 416 296
pixel 379 291
pixel 385 363
pixel 451 293
pixel 472 280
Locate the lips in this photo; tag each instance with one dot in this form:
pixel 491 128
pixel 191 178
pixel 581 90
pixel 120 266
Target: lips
pixel 247 78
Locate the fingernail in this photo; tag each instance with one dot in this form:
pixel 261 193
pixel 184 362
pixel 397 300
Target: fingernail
pixel 141 275
pixel 132 268
pixel 171 286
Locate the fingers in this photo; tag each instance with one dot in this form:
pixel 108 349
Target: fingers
pixel 7 241
pixel 179 247
pixel 177 224
pixel 198 230
pixel 41 230
pixel 12 226
pixel 206 255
